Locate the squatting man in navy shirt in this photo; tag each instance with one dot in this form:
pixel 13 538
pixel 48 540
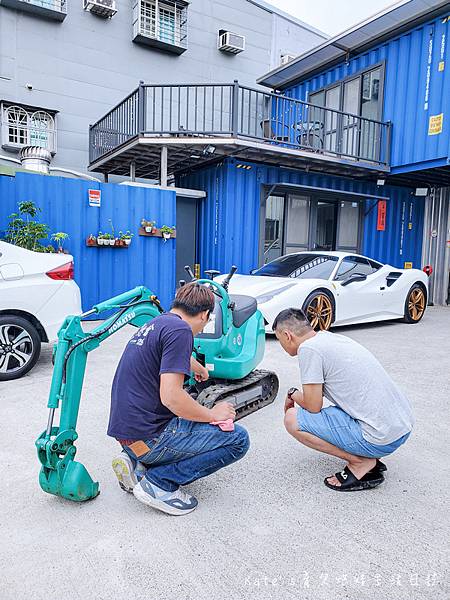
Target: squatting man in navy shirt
pixel 167 437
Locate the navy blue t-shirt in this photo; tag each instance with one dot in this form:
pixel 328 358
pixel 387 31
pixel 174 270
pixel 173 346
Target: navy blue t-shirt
pixel 163 345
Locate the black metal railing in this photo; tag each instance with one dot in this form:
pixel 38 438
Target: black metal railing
pixel 232 110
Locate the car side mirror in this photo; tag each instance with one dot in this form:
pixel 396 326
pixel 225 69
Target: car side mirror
pixel 354 277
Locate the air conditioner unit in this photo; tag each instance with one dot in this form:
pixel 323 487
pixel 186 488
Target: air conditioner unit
pixel 102 8
pixel 285 58
pixel 230 42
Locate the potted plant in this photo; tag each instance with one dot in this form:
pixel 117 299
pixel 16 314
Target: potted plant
pixel 101 238
pixel 167 232
pixel 149 226
pixel 92 240
pixel 125 237
pixel 60 238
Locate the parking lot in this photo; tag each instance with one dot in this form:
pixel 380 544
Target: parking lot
pixel 265 528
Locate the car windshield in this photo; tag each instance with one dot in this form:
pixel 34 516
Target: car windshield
pixel 300 266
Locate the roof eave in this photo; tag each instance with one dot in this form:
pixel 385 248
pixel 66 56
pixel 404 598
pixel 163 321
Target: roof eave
pixel 274 79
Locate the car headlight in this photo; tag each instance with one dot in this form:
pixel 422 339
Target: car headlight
pixel 267 297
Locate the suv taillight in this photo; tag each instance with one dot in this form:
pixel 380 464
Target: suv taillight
pixel 64 272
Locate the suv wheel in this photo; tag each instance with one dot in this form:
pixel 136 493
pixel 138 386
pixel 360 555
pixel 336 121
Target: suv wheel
pixel 20 346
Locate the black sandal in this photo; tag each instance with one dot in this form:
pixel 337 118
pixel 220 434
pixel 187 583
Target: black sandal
pixel 349 483
pixel 380 466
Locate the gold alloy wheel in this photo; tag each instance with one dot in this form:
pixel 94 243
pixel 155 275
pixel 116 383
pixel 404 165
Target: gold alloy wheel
pixel 416 304
pixel 320 312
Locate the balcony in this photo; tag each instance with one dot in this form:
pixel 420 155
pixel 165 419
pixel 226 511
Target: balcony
pixel 200 123
pixel 49 9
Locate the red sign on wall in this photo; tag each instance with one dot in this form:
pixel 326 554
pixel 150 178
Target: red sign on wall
pixel 381 219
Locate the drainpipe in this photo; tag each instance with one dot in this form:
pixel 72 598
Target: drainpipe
pixel 163 171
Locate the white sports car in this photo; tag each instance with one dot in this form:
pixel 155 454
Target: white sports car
pixel 37 291
pixel 335 288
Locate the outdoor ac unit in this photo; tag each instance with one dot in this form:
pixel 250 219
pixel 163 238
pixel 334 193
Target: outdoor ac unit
pixel 231 42
pixel 285 58
pixel 102 8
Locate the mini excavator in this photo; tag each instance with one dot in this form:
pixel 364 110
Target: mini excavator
pixel 231 346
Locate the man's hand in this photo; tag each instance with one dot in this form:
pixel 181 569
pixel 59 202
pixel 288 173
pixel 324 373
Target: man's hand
pixel 222 411
pixel 288 403
pixel 200 372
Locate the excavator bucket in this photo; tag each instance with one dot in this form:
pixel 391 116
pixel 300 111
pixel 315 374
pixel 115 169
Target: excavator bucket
pixel 70 480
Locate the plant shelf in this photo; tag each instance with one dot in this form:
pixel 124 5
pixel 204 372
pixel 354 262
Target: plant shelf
pixel 115 247
pixel 157 233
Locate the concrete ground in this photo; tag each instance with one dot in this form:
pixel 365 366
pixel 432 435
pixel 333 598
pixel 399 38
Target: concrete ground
pixel 265 528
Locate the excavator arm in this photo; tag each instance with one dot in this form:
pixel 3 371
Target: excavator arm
pixel 60 474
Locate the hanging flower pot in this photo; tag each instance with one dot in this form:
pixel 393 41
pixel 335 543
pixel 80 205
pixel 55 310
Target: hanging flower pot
pixel 167 232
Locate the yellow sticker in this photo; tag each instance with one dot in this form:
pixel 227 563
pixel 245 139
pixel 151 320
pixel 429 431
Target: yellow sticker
pixel 435 124
pixel 409 225
pixel 408 265
pixel 441 65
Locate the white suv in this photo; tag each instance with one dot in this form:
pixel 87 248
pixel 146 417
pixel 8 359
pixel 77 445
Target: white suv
pixel 37 292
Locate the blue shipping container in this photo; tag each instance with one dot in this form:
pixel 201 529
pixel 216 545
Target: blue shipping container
pixel 416 88
pixel 229 219
pixel 102 272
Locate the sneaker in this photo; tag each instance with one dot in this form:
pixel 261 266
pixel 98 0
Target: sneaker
pixel 172 503
pixel 124 470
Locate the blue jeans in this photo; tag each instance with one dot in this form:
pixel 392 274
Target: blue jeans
pixel 185 451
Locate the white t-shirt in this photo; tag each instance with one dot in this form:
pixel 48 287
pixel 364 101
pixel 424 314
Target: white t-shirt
pixel 355 381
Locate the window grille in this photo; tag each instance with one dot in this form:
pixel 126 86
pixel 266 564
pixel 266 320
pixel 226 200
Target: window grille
pixel 21 127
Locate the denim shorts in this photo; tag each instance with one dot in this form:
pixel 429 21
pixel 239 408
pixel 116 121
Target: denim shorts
pixel 337 427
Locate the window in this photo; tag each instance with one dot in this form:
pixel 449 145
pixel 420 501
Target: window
pixel 50 9
pixel 352 265
pixel 320 267
pixel 300 266
pixel 167 21
pixel 25 127
pixel 358 95
pixel 162 24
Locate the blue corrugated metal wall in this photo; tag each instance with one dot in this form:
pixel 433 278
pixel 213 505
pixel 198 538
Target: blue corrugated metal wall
pixel 229 216
pixel 102 272
pixel 412 63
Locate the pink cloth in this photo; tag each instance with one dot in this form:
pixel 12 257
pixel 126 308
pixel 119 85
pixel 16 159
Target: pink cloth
pixel 227 425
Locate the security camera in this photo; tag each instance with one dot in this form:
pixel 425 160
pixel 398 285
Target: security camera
pixel 29 86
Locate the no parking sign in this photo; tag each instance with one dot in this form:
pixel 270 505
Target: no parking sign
pixel 95 198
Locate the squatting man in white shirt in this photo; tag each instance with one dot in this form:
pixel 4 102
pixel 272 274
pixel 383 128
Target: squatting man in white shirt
pixel 369 417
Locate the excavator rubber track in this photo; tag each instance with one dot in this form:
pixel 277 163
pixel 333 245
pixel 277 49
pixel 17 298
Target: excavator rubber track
pixel 247 395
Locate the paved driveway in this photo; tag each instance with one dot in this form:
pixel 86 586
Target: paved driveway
pixel 265 527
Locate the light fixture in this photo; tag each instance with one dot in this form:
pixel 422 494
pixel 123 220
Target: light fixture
pixel 195 156
pixel 209 149
pixel 421 192
pixel 381 182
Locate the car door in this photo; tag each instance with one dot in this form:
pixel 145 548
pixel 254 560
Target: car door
pixel 359 300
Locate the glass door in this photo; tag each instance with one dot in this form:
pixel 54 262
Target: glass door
pixel 324 225
pixel 370 108
pixel 348 226
pixel 332 125
pixel 297 224
pixel 350 142
pixel 273 228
